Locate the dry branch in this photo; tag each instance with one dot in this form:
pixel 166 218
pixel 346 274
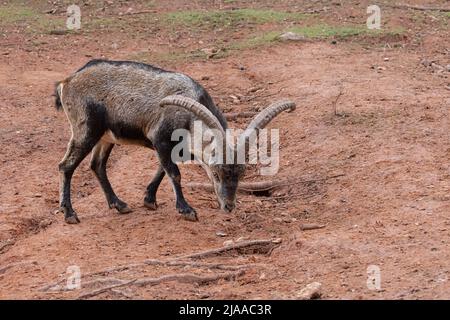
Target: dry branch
pixel 176 263
pixel 244 247
pixel 311 226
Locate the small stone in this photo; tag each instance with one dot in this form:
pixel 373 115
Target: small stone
pixel 426 62
pixel 45 223
pixel 277 220
pixel 221 234
pixel 291 36
pixel 437 68
pixel 277 240
pixel 311 291
pixel 228 243
pixel 386 59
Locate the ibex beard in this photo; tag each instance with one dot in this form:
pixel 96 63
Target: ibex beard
pixel 125 102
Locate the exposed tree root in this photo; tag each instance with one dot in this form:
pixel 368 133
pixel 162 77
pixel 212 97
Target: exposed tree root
pixel 12 265
pixel 245 247
pixel 183 277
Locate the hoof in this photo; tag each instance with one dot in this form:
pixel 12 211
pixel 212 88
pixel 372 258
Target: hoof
pixel 124 210
pixel 150 205
pixel 121 207
pixel 190 216
pixel 72 219
pixel 188 213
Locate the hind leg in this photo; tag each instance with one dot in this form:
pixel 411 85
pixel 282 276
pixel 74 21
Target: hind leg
pixel 77 150
pixel 150 196
pixel 100 155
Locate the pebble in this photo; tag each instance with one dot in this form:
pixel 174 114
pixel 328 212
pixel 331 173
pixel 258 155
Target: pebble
pixel 311 291
pixel 228 243
pixel 291 36
pixel 221 234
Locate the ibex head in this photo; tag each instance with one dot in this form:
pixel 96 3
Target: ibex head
pixel 226 168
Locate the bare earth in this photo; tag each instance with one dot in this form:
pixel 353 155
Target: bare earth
pixel 373 166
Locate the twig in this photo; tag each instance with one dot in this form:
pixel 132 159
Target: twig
pixel 341 89
pixel 7 243
pixel 311 226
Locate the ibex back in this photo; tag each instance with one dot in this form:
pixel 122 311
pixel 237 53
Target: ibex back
pixel 123 102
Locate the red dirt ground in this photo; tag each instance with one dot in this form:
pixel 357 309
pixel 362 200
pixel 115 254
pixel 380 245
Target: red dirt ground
pixel 386 139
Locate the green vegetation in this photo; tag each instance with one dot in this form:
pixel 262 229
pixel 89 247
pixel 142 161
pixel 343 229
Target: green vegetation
pixel 231 18
pixel 12 14
pixel 32 20
pixel 326 31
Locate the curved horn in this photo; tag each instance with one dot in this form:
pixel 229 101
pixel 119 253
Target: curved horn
pixel 196 108
pixel 263 118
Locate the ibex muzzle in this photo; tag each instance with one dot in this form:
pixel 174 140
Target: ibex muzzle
pixel 124 102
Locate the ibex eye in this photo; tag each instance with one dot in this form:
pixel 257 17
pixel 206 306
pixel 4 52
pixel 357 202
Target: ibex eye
pixel 216 176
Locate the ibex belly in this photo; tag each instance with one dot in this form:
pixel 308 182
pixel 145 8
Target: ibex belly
pixel 111 138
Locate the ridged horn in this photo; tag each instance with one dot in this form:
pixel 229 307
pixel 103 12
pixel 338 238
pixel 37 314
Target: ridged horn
pixel 196 108
pixel 263 118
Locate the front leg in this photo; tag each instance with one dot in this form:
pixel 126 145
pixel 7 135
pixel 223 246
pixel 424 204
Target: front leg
pixel 150 196
pixel 164 153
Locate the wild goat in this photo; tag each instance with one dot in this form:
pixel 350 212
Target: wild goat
pixel 124 102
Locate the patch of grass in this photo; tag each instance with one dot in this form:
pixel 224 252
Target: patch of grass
pixel 257 41
pixel 324 31
pixel 327 31
pixel 28 17
pixel 227 18
pixel 13 14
